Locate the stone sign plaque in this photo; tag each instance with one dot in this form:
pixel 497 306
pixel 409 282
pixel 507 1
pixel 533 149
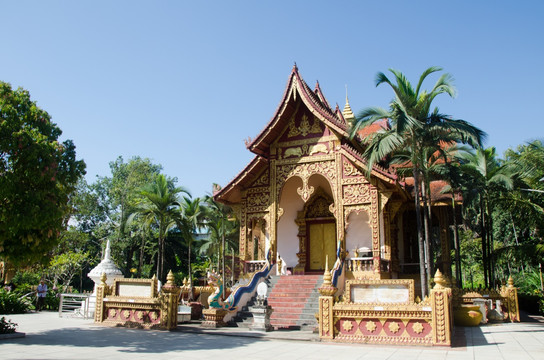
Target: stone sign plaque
pixel 133 290
pixel 395 294
pixel 380 291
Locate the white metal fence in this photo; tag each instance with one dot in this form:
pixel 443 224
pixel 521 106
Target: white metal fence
pixel 74 305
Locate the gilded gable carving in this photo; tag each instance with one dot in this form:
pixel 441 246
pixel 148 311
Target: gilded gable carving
pixel 350 170
pixel 263 179
pixel 319 208
pixel 304 128
pixel 257 201
pixel 304 149
pixel 356 194
pixel 304 171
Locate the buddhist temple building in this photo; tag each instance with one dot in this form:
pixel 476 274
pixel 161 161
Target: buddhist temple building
pixel 307 194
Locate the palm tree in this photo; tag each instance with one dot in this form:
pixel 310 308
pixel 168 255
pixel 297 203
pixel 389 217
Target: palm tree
pixel 190 219
pixel 486 178
pixel 411 125
pixel 528 164
pixel 223 231
pixel 157 206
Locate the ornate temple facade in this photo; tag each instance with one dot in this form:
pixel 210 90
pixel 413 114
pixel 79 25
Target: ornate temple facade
pixel 307 194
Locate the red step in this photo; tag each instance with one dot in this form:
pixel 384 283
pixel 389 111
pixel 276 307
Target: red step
pixel 288 298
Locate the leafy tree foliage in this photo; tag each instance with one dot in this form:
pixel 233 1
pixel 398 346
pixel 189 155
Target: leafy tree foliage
pixel 157 208
pixel 37 175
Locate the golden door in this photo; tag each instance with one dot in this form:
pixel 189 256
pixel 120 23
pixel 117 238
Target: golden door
pixel 322 243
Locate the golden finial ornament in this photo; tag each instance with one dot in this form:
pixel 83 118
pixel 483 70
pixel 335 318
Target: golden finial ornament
pixel 439 280
pixel 327 277
pixel 103 279
pixel 170 279
pixel 327 289
pixel 510 282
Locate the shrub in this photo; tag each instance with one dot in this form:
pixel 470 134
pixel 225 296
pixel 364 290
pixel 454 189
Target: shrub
pixel 6 326
pixel 52 300
pixel 27 278
pixel 12 303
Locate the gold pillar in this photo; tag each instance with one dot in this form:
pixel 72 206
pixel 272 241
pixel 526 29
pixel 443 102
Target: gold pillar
pixel 169 303
pixel 101 292
pixel 442 321
pixel 326 303
pixel 273 210
pixel 375 226
pixel 338 204
pixel 243 231
pixel 512 306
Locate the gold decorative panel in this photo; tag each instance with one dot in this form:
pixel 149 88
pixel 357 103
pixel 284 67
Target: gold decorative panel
pixel 356 194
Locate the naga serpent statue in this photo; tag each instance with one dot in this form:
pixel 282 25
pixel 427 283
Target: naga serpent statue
pixel 231 303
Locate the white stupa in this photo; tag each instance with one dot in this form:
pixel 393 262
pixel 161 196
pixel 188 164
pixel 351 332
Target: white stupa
pixel 108 267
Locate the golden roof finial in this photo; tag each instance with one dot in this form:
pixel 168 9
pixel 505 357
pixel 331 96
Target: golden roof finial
pixel 348 114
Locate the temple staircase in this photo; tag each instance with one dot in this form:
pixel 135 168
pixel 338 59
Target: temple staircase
pixel 295 300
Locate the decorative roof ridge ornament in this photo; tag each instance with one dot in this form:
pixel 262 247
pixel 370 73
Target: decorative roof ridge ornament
pixel 347 112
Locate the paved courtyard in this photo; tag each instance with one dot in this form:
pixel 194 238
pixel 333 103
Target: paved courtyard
pixel 51 337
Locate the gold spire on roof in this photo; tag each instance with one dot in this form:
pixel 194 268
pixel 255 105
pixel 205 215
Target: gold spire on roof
pixel 348 114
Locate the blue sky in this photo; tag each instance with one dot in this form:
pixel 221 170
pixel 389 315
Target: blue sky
pixel 185 82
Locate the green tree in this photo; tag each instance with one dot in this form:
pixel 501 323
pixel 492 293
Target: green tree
pixel 190 220
pixel 157 207
pixel 37 176
pixel 223 231
pixel 412 127
pixel 485 178
pixel 63 267
pixel 123 191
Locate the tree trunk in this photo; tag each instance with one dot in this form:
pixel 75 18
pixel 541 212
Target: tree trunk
pixel 457 246
pixel 162 259
pixel 190 269
pixel 141 263
pixel 484 240
pixel 130 254
pixel 421 244
pixel 490 245
pixel 426 225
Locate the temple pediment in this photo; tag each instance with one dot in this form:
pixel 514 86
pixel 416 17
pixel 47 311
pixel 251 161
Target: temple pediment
pixel 304 128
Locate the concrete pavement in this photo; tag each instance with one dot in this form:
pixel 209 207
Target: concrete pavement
pixel 51 337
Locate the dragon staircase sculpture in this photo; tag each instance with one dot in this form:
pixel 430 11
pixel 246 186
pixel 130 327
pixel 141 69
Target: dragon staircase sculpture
pixel 221 311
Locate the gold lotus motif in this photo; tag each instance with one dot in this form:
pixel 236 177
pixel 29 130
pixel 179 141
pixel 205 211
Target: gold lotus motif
pixel 394 327
pixel 370 326
pixel 417 327
pixel 347 325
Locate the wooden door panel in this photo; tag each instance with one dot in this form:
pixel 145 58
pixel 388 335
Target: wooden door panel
pixel 322 243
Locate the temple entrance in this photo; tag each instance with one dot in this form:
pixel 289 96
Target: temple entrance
pixel 321 243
